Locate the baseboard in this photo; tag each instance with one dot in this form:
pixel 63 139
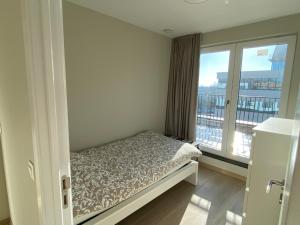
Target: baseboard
pixel 223 167
pixel 225 172
pixel 5 221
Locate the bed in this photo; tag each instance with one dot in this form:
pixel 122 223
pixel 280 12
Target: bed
pixel 115 179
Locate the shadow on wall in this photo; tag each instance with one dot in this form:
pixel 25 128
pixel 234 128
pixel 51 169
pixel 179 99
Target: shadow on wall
pixel 4 209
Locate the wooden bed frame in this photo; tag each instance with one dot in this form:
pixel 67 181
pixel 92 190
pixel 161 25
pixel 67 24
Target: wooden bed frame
pixel 189 173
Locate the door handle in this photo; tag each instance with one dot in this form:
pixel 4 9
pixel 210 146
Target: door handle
pixel 274 182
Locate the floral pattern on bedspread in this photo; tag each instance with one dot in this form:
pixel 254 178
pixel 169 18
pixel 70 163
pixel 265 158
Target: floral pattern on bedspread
pixel 106 175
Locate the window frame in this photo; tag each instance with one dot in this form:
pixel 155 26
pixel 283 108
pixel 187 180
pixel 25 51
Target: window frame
pixel 233 87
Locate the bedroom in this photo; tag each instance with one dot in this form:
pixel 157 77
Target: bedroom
pixel 117 68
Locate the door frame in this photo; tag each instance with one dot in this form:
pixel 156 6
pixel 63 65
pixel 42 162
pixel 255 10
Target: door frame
pixel 290 187
pixel 46 80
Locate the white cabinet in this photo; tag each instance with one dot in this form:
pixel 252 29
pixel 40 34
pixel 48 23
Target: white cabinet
pixel 268 160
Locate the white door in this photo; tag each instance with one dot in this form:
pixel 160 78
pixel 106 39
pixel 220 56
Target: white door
pixel 45 64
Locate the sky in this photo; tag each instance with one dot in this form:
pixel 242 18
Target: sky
pixel 254 59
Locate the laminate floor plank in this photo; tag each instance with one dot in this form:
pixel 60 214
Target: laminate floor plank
pixel 216 200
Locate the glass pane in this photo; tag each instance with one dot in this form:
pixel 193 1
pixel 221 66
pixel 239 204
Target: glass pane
pixel 261 80
pixel 211 98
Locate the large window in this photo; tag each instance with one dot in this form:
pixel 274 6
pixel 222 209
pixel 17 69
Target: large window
pixel 240 86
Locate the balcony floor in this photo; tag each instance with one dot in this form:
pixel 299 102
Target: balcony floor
pixel 211 137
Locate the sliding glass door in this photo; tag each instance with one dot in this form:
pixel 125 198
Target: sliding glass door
pixel 241 86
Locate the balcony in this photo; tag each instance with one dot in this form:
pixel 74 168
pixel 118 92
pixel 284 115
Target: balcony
pixel 251 110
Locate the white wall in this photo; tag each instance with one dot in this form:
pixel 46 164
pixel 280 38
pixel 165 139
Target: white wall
pixel 224 165
pixel 117 77
pixel 4 209
pixel 15 117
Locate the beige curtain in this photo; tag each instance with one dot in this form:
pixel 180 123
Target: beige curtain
pixel 183 87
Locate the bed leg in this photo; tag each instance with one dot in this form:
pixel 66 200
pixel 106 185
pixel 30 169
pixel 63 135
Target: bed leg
pixel 193 179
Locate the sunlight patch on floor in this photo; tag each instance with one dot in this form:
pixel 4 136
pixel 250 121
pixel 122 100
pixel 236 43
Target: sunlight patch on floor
pixel 196 211
pixel 233 219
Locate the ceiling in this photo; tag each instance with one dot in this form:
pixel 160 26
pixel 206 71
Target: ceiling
pixel 184 18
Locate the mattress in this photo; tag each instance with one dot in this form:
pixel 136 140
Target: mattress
pixel 106 175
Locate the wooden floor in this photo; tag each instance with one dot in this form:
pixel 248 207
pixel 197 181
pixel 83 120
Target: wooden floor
pixel 217 200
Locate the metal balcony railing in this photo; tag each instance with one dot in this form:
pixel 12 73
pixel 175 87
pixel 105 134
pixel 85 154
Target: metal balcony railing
pixel 251 110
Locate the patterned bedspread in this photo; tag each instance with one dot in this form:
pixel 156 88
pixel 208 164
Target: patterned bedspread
pixel 106 175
